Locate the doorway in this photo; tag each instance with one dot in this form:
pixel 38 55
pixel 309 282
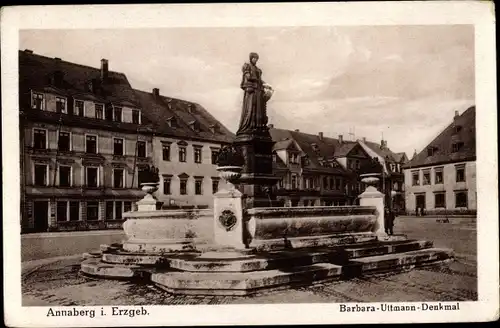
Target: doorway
pixel 41 216
pixel 420 201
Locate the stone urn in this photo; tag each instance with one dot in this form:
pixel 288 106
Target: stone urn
pixel 230 174
pixel 148 203
pixel 370 180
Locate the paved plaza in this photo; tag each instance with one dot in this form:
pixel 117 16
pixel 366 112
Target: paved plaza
pixel 50 282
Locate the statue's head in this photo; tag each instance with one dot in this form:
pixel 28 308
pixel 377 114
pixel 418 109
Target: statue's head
pixel 254 57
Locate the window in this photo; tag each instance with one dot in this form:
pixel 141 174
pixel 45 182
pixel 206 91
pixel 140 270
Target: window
pixel 92 211
pixel 338 184
pixel 40 174
pixel 460 173
pixel 456 147
pixel 427 178
pixel 215 154
pixel 127 206
pixel 438 176
pixel 294 182
pixel 99 111
pixel 92 176
pixel 167 182
pixel 306 182
pixel 61 105
pixel 91 144
pixel 461 199
pixel 37 101
pixel 325 183
pixel 358 165
pixel 117 114
pixel 415 178
pixel 439 200
pixel 65 176
pixel 458 128
pixel 39 139
pixel 215 185
pixel 332 183
pixel 135 116
pixel 281 184
pixel 118 210
pixel 109 210
pixel 166 152
pixel 141 149
pixel 182 154
pixel 183 187
pixel 198 187
pixel 64 142
pixel 118 178
pixel 74 211
pixel 118 147
pixel 62 211
pixel 430 151
pixel 197 155
pixel 79 107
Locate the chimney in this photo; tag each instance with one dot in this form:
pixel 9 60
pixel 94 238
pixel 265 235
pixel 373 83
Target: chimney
pixel 104 69
pixel 383 144
pixel 156 92
pixel 457 115
pixel 341 138
pixel 28 51
pixel 320 135
pixel 364 139
pixel 270 126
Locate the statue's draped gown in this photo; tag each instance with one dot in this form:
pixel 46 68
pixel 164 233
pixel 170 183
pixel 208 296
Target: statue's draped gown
pixel 253 114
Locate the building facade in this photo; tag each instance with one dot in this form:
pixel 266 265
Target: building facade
pixel 186 144
pixel 441 179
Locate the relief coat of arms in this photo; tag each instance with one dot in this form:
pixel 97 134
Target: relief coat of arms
pixel 227 219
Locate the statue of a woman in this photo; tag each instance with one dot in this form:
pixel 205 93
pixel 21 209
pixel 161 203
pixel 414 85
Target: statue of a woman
pixel 256 94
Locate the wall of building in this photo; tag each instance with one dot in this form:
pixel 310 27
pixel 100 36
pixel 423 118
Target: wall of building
pixel 174 168
pixel 449 186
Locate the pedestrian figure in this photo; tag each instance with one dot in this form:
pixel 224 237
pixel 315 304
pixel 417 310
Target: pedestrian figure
pixel 389 221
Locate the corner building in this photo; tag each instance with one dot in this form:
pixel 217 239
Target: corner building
pixel 84 142
pixel 441 179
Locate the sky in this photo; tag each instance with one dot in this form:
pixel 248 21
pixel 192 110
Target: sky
pixel 400 82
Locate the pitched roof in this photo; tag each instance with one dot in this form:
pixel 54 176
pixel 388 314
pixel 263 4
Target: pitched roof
pixel 159 109
pixel 442 145
pixel 38 72
pixel 398 157
pixel 313 146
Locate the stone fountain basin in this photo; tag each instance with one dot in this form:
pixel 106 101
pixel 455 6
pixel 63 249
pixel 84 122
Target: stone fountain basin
pixel 167 230
pixel 271 223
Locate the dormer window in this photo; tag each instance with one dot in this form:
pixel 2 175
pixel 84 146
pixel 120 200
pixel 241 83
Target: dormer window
pixel 191 109
pixel 195 126
pixel 172 122
pixel 431 151
pixel 458 128
pixel 456 147
pixel 214 128
pixel 37 101
pixel 61 105
pixel 136 116
pixel 117 114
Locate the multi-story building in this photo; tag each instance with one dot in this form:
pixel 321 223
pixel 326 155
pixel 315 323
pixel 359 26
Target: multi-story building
pixel 185 147
pixel 317 170
pixel 87 136
pixel 83 142
pixel 442 177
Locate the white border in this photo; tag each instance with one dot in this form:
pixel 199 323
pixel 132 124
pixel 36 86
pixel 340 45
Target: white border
pixel 479 13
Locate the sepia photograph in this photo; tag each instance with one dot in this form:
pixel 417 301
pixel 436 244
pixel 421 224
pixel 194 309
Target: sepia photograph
pixel 252 165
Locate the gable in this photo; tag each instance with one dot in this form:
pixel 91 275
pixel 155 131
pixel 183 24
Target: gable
pixel 357 151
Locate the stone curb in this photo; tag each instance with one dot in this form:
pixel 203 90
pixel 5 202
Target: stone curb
pixel 29 267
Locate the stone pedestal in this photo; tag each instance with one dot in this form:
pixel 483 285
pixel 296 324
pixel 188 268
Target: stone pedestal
pixel 148 203
pixel 257 177
pixel 229 227
pixel 372 197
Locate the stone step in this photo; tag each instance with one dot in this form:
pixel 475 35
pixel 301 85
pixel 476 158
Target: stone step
pixel 398 261
pixel 97 268
pixel 313 241
pixel 243 283
pixel 135 259
pixel 383 248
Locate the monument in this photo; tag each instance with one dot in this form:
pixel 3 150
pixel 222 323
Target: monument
pixel 246 244
pixel 253 140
